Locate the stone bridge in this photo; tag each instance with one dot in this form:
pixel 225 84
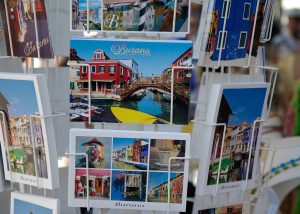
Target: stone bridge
pixel 180 92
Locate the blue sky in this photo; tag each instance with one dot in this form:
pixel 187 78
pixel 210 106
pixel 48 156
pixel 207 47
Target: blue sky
pixel 22 207
pixel 162 53
pixel 156 178
pixel 107 148
pixel 93 4
pixel 21 96
pixel 120 143
pixel 246 104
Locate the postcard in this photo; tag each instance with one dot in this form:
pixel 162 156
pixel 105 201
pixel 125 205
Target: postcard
pixel 131 16
pixel 229 34
pixel 130 81
pixel 32 204
pixel 128 169
pixel 28 155
pixel 18 21
pixel 238 106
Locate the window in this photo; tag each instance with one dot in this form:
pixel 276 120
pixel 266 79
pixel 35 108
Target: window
pixel 101 69
pixel 93 69
pixel 243 40
pixel 98 55
pixel 85 85
pixel 72 85
pixel 38 140
pixel 84 69
pixel 111 69
pixel 223 36
pixel 108 85
pixel 226 3
pixel 37 128
pixel 247 8
pixel 128 73
pixel 180 74
pixel 121 71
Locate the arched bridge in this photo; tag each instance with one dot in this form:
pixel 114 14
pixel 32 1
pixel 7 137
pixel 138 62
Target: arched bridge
pixel 180 92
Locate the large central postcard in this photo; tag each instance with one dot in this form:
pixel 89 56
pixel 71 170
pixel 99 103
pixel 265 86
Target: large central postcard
pixel 128 169
pixel 132 82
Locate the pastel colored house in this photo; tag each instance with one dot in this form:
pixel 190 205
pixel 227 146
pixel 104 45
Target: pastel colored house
pixel 181 76
pixel 160 192
pixel 137 151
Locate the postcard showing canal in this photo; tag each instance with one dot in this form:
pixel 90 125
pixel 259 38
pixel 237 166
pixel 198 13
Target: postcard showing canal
pixel 130 81
pixel 128 169
pixel 25 136
pixel 240 108
pixel 131 16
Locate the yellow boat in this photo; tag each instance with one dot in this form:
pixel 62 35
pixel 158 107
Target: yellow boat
pixel 130 116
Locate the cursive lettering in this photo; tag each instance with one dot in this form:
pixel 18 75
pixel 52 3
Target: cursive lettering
pixel 119 204
pixel 31 46
pixel 122 49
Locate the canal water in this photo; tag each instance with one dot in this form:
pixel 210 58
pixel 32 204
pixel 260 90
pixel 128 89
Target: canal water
pixel 152 103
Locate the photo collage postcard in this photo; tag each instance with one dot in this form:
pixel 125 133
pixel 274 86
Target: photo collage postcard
pixel 127 169
pixel 18 31
pixel 32 204
pixel 23 99
pixel 130 81
pixel 131 16
pixel 238 106
pixel 238 40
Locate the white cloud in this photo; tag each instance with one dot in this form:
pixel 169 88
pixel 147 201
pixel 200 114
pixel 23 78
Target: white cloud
pixel 240 110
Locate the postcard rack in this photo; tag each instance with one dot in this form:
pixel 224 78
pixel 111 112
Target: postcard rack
pixel 196 120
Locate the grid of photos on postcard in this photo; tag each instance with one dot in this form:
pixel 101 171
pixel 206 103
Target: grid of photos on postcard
pixel 129 169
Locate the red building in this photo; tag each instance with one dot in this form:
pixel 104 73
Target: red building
pixel 137 151
pixel 107 74
pixel 177 189
pixel 181 76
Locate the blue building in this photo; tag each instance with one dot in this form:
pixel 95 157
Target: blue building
pixel 238 31
pixel 144 151
pixel 247 134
